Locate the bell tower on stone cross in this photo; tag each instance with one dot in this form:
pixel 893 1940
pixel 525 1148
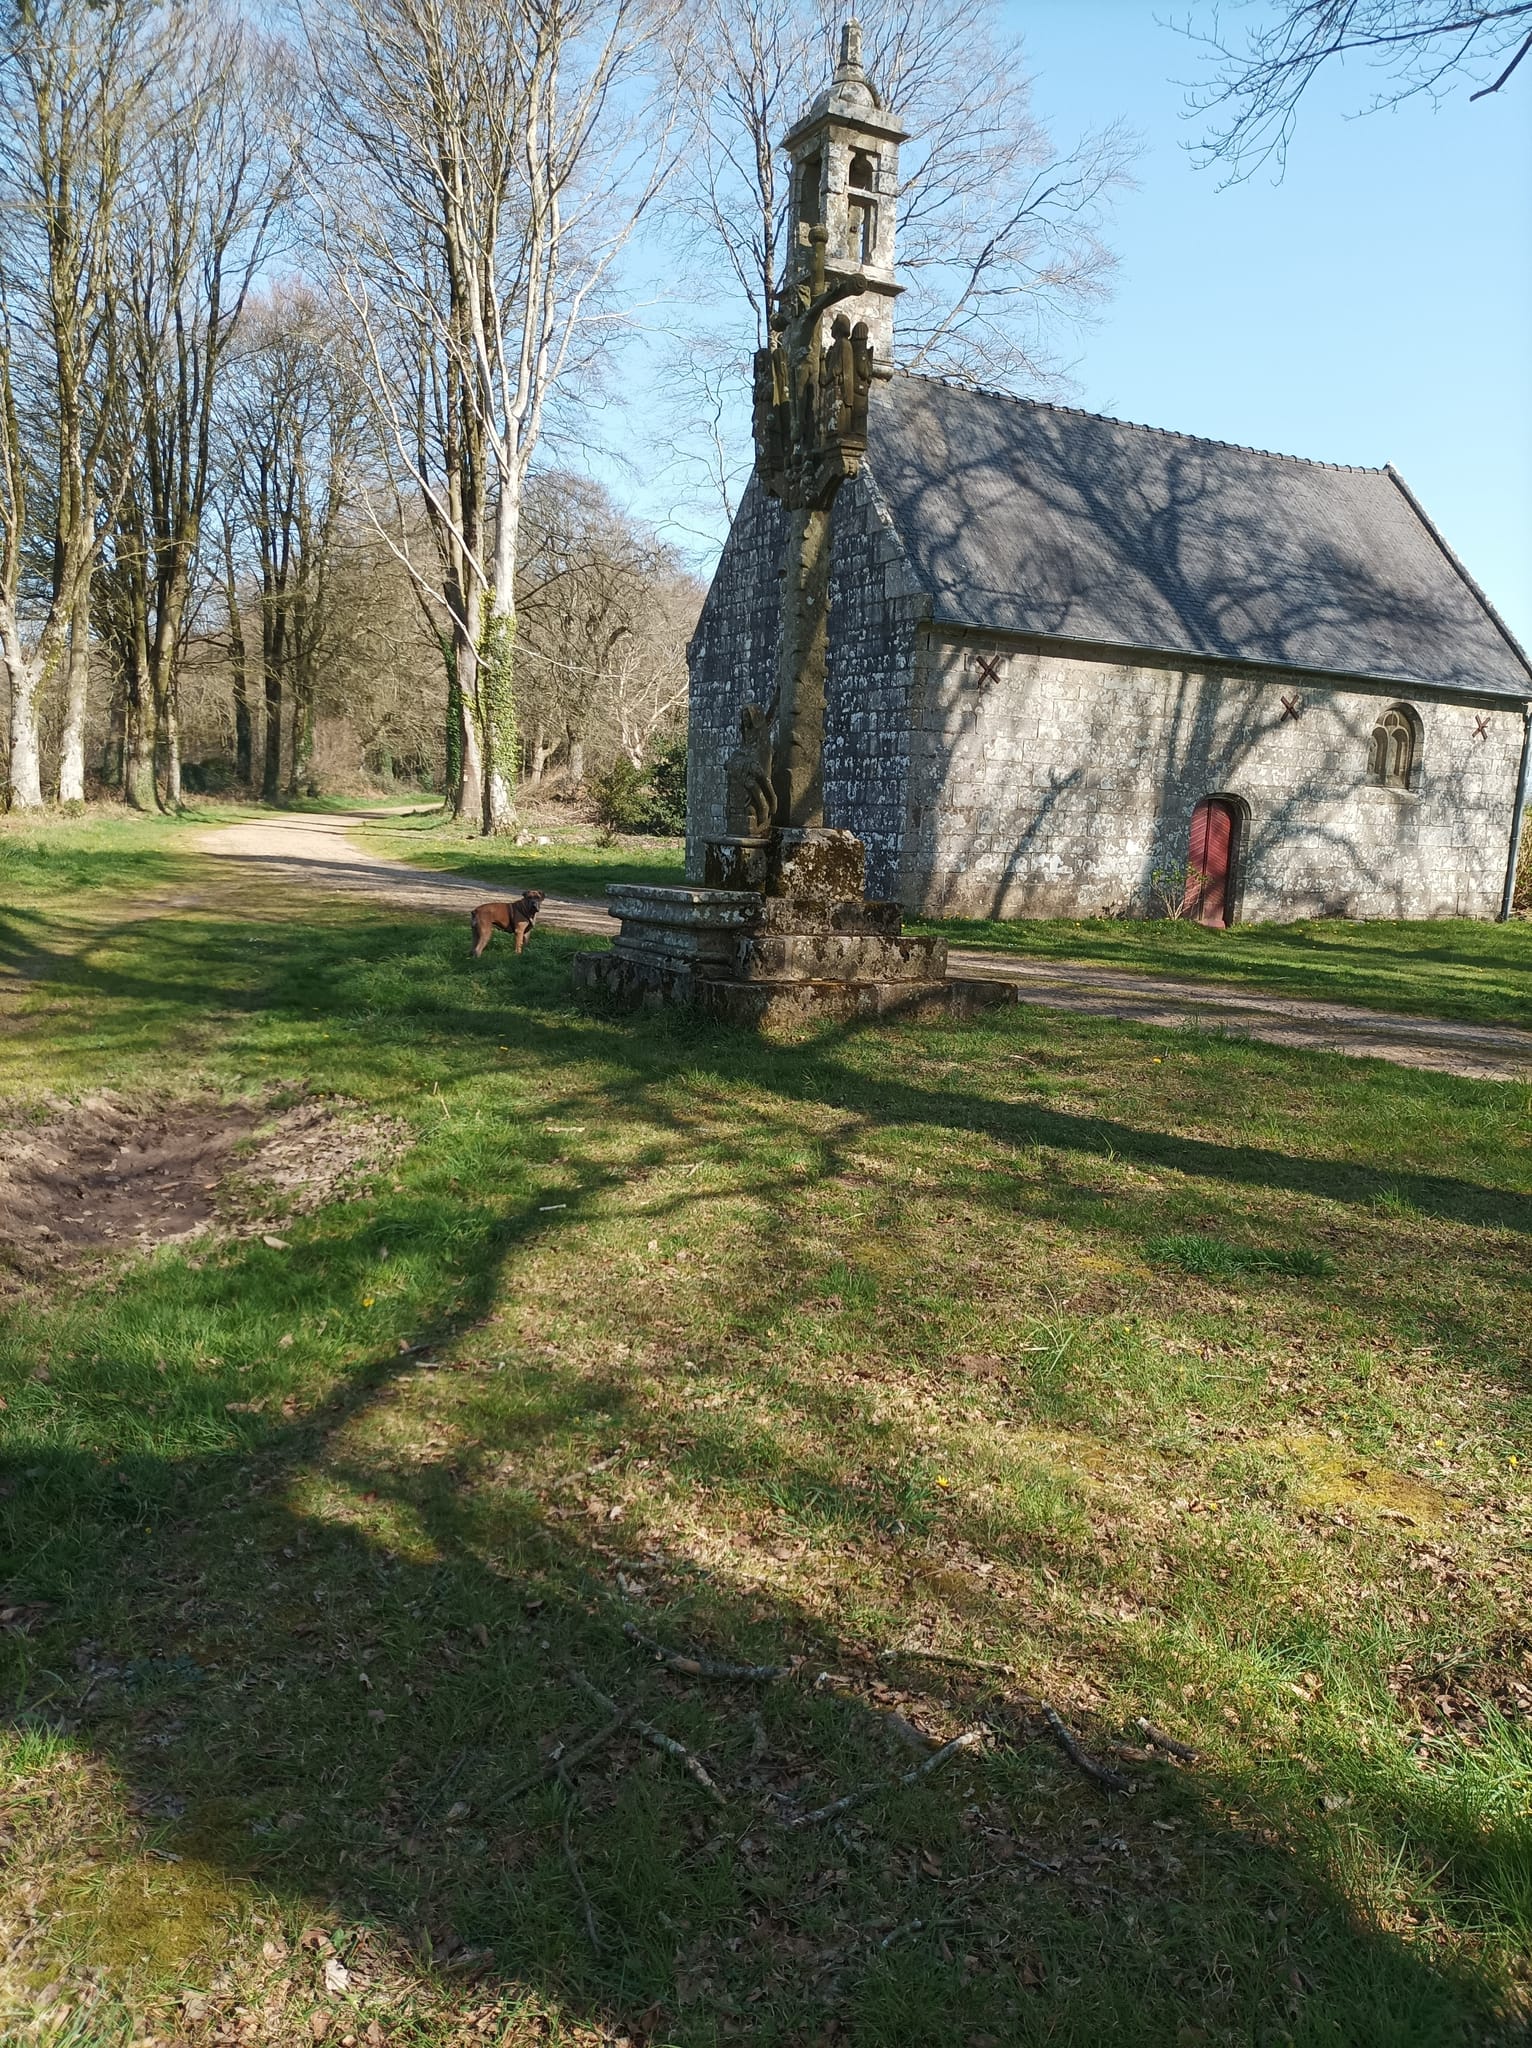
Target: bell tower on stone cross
pixel 845 156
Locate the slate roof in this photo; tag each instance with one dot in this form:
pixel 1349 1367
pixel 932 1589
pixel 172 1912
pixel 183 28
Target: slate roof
pixel 1020 517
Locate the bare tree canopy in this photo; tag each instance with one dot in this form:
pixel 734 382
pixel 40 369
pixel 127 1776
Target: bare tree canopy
pixel 1419 46
pixel 488 162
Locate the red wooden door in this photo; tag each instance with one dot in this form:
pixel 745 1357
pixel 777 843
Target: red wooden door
pixel 1210 862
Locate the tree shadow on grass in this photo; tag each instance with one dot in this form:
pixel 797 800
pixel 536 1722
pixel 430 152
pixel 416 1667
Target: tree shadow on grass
pixel 316 1645
pixel 339 970
pixel 321 1658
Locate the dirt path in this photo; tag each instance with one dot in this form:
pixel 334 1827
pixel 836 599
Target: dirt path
pixel 316 851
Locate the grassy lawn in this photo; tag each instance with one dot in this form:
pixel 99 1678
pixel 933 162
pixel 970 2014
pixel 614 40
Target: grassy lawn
pixel 570 863
pixel 1183 1380
pixel 1453 967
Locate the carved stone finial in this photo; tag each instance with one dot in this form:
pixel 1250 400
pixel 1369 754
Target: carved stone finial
pixel 850 65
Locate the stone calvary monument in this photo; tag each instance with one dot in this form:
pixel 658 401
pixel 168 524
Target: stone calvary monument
pixel 782 929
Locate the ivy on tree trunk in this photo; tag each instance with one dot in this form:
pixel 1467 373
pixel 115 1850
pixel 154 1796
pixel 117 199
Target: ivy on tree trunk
pixel 497 719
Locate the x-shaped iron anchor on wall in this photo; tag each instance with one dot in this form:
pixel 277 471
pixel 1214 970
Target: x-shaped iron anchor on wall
pixel 1481 728
pixel 1292 707
pixel 988 666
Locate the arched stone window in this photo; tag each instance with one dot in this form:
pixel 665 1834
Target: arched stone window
pixel 1393 758
pixel 861 208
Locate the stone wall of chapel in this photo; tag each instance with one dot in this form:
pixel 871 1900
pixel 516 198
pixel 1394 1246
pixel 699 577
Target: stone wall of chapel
pixel 732 661
pixel 870 678
pixel 1055 786
pixel 869 674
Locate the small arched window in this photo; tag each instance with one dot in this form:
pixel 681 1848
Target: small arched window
pixel 1393 759
pixel 861 209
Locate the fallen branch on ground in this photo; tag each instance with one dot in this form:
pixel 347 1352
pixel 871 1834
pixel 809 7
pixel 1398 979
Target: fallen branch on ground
pixel 1113 1780
pixel 591 1929
pixel 1168 1743
pixel 656 1736
pixel 563 1760
pixel 706 1667
pixel 967 1740
pixel 946 1657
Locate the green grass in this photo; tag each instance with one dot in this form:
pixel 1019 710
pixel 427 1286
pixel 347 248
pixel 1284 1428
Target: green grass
pixel 1216 1259
pixel 813 1349
pixel 571 864
pixel 1449 967
pixel 383 806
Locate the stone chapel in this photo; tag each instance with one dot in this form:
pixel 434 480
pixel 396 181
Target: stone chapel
pixel 1072 664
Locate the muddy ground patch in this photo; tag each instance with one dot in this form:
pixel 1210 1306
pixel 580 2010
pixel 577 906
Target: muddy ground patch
pixel 110 1174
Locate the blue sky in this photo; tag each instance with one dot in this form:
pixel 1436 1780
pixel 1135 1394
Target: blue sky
pixel 1376 306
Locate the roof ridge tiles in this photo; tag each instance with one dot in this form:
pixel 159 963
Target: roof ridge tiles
pixel 1142 426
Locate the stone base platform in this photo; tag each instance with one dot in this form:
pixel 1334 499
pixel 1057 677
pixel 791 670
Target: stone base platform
pixel 785 936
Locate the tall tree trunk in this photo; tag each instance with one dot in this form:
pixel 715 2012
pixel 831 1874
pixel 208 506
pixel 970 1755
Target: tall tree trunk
pixel 242 734
pixel 539 760
pixel 271 774
pixel 465 640
pixel 273 656
pixel 452 762
pixel 473 748
pixel 300 766
pixel 242 730
pixel 72 751
pixel 576 761
pixel 497 673
pixel 164 650
pixel 25 789
pixel 113 747
pixel 173 746
pixel 138 780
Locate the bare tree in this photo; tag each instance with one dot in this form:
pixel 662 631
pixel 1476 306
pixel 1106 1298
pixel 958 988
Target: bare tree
pixel 73 76
pixel 1420 46
pixel 195 233
pixel 606 610
pixel 648 679
pixel 1000 234
pixel 510 140
pixel 293 421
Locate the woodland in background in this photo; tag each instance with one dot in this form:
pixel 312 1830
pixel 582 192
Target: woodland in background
pixel 312 321
pixel 216 572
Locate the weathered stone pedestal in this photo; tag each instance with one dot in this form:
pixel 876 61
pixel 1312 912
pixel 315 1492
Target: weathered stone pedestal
pixel 781 934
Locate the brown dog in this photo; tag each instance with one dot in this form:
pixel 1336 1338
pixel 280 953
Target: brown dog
pixel 514 917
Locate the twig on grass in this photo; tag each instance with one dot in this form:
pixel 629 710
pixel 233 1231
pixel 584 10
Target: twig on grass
pixel 1168 1743
pixel 656 1736
pixel 911 1650
pixel 565 1759
pixel 706 1667
pixel 1113 1780
pixel 967 1740
pixel 591 1929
